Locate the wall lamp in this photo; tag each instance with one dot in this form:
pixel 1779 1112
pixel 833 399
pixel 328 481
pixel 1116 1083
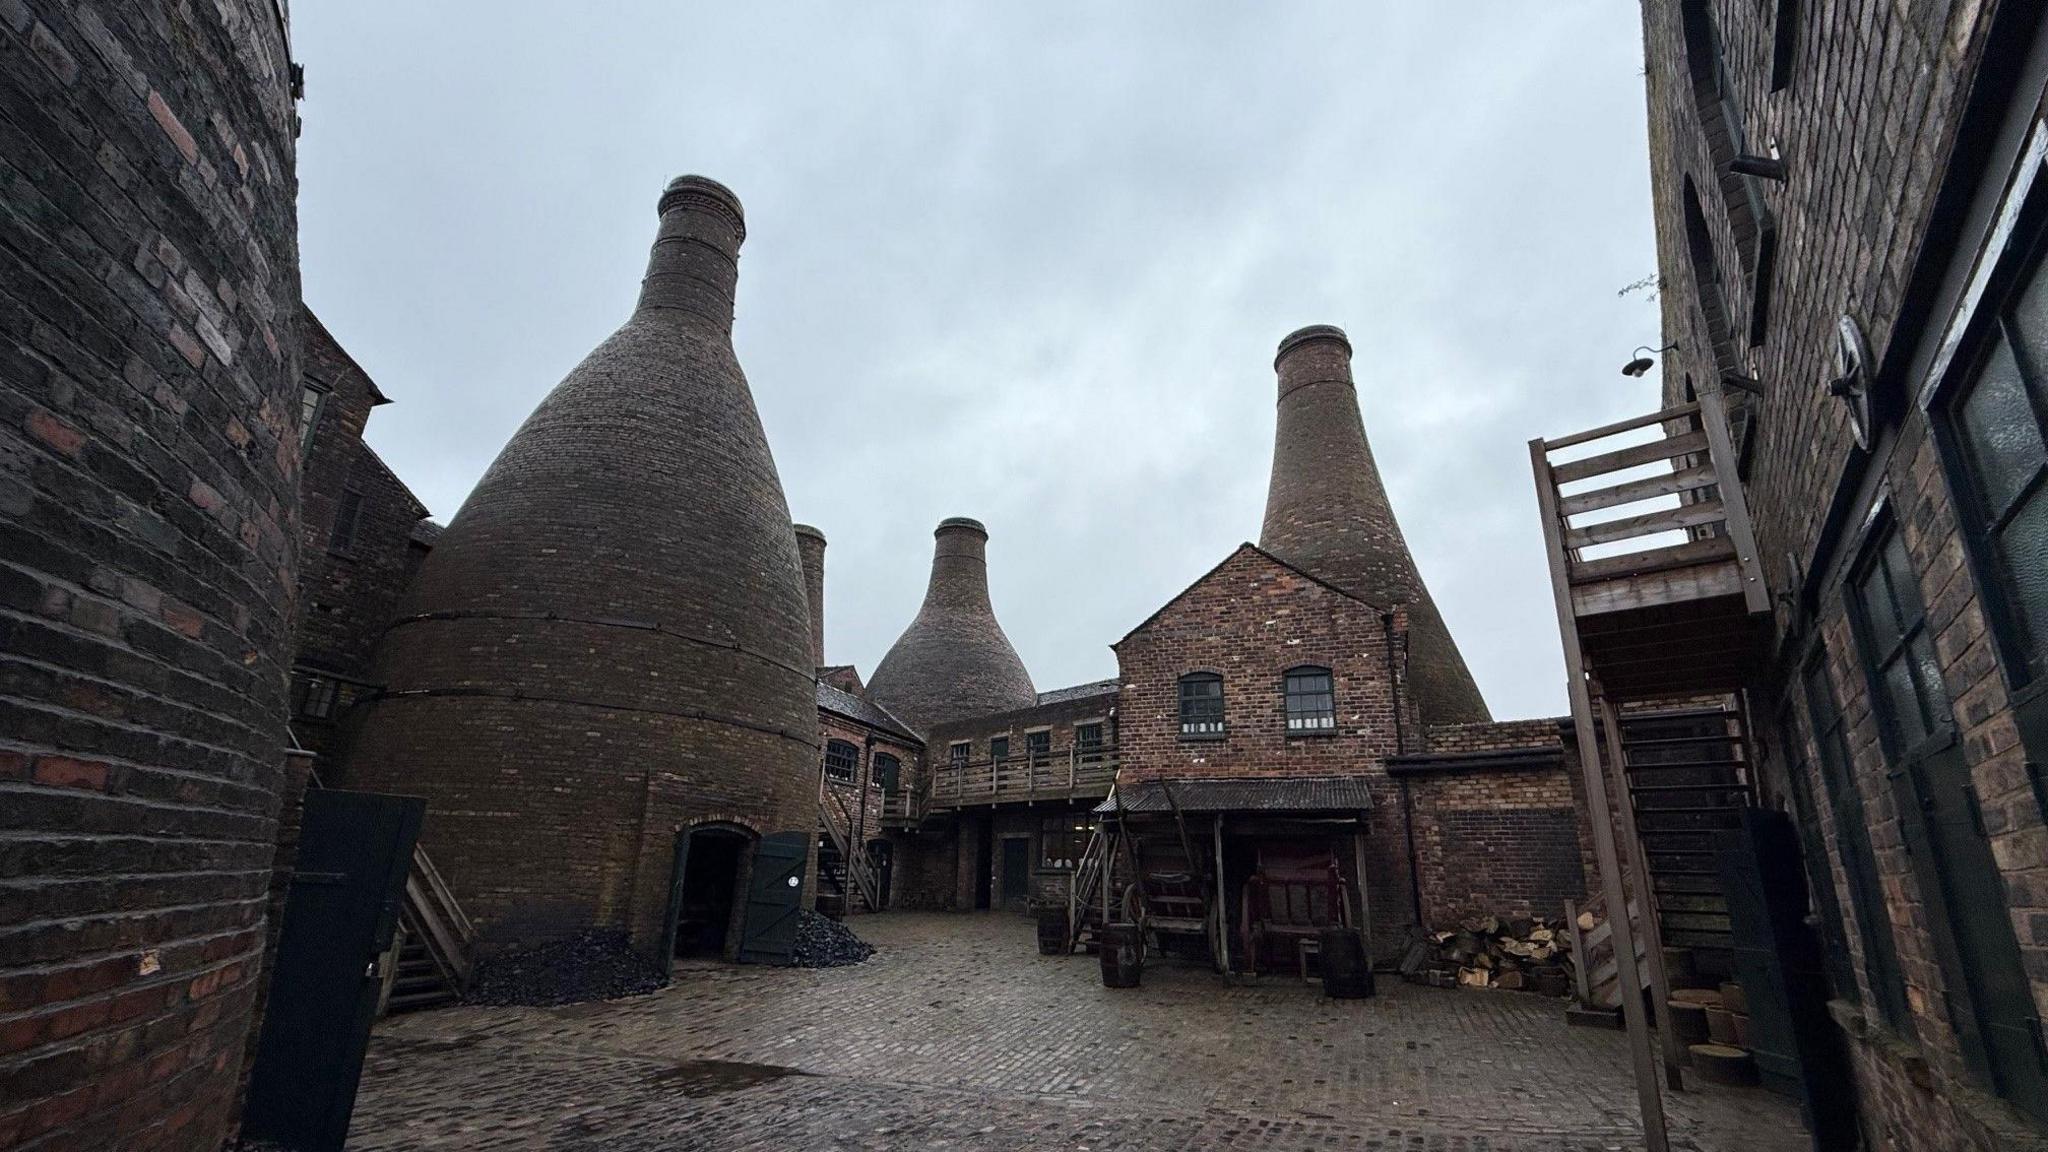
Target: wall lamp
pixel 1642 363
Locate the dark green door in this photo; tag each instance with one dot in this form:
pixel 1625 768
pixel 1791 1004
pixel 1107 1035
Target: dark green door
pixel 1016 871
pixel 355 849
pixel 775 894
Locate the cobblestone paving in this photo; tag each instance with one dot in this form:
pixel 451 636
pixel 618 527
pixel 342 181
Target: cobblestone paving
pixel 957 1035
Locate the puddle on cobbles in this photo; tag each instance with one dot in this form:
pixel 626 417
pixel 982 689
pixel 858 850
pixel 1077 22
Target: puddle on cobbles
pixel 713 1077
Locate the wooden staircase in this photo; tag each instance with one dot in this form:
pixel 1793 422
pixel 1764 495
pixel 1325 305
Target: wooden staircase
pixel 1660 594
pixel 435 944
pixel 1688 777
pixel 845 873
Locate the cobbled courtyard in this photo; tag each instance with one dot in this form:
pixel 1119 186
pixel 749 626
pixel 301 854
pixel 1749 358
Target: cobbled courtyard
pixel 958 1035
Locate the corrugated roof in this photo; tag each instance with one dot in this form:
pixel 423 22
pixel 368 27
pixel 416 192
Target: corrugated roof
pixel 1248 794
pixel 1093 688
pixel 866 711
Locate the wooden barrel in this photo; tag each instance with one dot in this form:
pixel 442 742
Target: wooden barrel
pixel 1123 955
pixel 1052 931
pixel 1347 974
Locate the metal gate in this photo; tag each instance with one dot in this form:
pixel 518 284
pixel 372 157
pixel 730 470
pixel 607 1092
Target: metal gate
pixel 775 894
pixel 355 849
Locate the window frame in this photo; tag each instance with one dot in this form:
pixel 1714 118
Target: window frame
pixel 1936 732
pixel 2026 675
pixel 887 782
pixel 324 689
pixel 999 755
pixel 1069 835
pixel 1289 694
pixel 959 754
pixel 852 767
pixel 1038 746
pixel 1881 967
pixel 1090 751
pixel 1202 725
pixel 348 522
pixel 312 406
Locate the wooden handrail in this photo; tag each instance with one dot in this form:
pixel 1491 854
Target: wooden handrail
pixel 1620 426
pixel 1633 456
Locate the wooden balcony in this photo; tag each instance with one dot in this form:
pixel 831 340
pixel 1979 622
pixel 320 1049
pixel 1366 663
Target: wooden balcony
pixel 1053 777
pixel 1651 552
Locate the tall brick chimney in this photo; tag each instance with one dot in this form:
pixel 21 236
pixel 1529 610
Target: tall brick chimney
pixel 810 545
pixel 1327 511
pixel 953 661
pixel 611 638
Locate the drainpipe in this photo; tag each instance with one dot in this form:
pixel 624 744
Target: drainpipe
pixel 1407 797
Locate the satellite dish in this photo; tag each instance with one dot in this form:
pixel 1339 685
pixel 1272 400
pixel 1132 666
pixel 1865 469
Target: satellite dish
pixel 1851 384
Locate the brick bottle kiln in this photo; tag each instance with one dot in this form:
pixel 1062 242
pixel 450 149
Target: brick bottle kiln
pixel 149 456
pixel 610 644
pixel 1327 511
pixel 953 661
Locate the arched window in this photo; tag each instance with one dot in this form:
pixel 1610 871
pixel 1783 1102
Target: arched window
pixel 1311 705
pixel 888 773
pixel 1706 280
pixel 1750 223
pixel 842 761
pixel 1201 706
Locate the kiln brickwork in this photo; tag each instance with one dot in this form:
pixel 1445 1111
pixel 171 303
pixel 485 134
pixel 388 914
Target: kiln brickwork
pixel 148 516
pixel 1327 511
pixel 609 642
pixel 953 661
pixel 1904 134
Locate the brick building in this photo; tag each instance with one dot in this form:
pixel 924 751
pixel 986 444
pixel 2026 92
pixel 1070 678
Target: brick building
pixel 1272 705
pixel 1849 229
pixel 149 466
pixel 362 536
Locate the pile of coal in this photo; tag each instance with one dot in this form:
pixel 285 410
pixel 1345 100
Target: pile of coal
pixel 594 965
pixel 822 942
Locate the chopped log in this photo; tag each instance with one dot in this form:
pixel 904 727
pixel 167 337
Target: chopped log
pixel 1510 980
pixel 1723 1064
pixel 1721 1026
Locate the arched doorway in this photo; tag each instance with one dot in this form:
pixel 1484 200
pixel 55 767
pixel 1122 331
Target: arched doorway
pixel 704 897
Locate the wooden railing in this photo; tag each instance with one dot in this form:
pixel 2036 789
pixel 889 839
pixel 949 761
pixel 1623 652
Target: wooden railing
pixel 1691 460
pixel 1052 776
pixel 432 913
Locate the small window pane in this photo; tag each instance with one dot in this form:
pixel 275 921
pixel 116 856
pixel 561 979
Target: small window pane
pixel 1201 705
pixel 1998 428
pixel 1902 705
pixel 1905 582
pixel 2023 547
pixel 958 753
pixel 2030 320
pixel 1039 745
pixel 1878 611
pixel 1933 692
pixel 999 748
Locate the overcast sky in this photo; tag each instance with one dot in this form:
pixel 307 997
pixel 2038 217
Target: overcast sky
pixel 1024 262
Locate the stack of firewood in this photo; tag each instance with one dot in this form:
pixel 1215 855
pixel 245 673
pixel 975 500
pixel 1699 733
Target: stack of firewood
pixel 1522 954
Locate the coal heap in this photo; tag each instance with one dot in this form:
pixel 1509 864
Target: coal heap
pixel 822 942
pixel 594 965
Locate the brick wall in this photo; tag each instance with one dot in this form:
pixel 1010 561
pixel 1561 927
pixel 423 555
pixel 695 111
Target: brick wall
pixel 1057 717
pixel 148 516
pixel 1499 829
pixel 349 585
pixel 1885 146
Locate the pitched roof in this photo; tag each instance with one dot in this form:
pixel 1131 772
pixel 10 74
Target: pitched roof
pixel 866 712
pixel 1234 554
pixel 1078 691
pixel 427 532
pixel 1244 794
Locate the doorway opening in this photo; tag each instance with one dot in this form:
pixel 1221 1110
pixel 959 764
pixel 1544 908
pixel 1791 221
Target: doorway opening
pixel 708 873
pixel 984 864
